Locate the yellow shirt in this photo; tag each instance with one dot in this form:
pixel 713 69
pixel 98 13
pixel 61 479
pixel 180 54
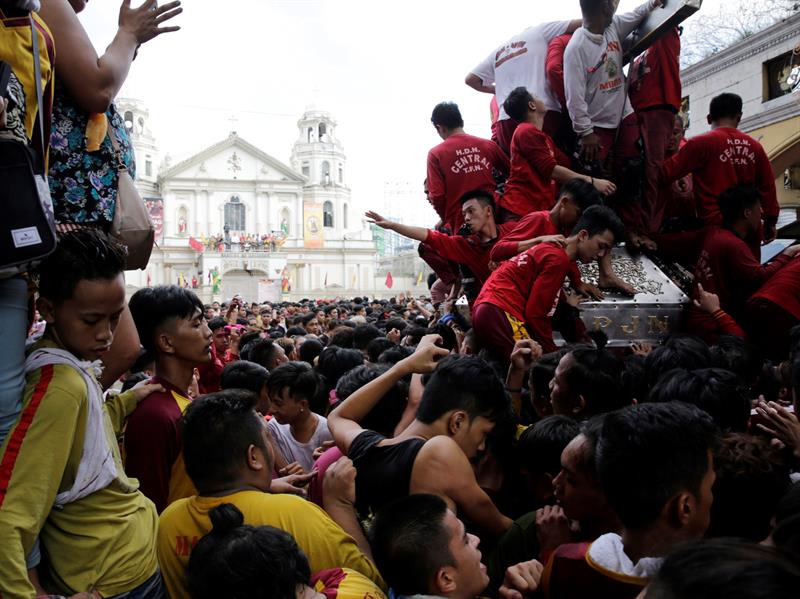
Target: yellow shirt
pixel 104 541
pixel 186 521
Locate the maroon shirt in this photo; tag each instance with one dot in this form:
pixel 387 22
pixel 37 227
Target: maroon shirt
pixel 459 164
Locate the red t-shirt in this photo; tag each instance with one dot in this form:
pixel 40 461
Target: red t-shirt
pixel 783 289
pixel 527 287
pixel 470 251
pixel 554 67
pixel 533 158
pixel 655 77
pixel 153 443
pixel 718 160
pixel 727 267
pixel 459 164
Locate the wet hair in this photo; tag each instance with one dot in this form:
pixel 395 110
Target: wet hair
pixel 310 350
pixel 648 453
pixel 737 355
pixel 382 418
pixel 463 383
pixel 750 474
pixel 725 106
pixel 596 374
pixel 447 115
pixel 598 219
pixel 377 346
pixel 516 104
pixel 541 445
pixel 242 374
pixel 363 334
pixel 410 543
pixel 591 430
pixel 83 255
pixel 240 561
pixel 735 200
pixel 718 392
pixel 583 193
pixel 216 323
pixel 677 351
pixel 334 362
pixel 153 307
pixel 217 430
pixel 726 568
pixel 301 380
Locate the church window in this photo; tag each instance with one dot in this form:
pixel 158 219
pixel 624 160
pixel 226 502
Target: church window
pixel 310 134
pixel 235 214
pixel 322 131
pixel 344 216
pixel 326 172
pixel 148 168
pixel 306 170
pixel 341 174
pixel 327 214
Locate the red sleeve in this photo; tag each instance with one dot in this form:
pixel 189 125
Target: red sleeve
pixel 561 158
pixel 536 151
pixel 151 447
pixel 749 270
pixel 500 160
pixel 691 156
pixel 765 181
pixel 451 247
pixel 554 66
pixel 527 228
pixel 542 298
pixel 436 187
pixel 574 274
pixel 727 325
pixel 504 250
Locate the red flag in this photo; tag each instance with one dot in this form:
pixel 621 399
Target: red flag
pixel 389 280
pixel 196 244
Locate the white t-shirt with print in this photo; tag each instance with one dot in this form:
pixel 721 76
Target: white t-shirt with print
pixel 521 62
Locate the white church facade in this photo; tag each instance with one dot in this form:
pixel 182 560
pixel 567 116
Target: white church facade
pixel 233 219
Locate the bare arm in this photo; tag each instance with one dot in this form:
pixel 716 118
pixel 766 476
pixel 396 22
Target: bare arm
pixel 562 174
pixel 417 233
pixel 339 497
pixel 95 81
pixel 476 83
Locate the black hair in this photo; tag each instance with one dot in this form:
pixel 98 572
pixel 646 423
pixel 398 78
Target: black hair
pixel 301 380
pixel 447 115
pixel 448 335
pixel 343 337
pixel 377 346
pixel 335 361
pixel 718 392
pixel 463 383
pixel 216 323
pixel 591 430
pixel 592 7
pixel 310 349
pixel 263 352
pixel 363 334
pixel 598 219
pixel 385 415
pixel 726 568
pixel 395 322
pixel 751 473
pixel 83 255
pixel 541 445
pixel 786 534
pixel 242 374
pixel 583 193
pixel 410 542
pixel 296 331
pixel 217 430
pixel 735 200
pixel 151 307
pixel 596 375
pixel 133 379
pixel 737 355
pixel 516 104
pixel 485 198
pixel 725 106
pixel 394 354
pixel 414 334
pixel 240 561
pixel 247 342
pixel 308 318
pixel 677 351
pixel 648 453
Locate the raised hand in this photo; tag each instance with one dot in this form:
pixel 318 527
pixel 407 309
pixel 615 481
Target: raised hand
pixel 144 22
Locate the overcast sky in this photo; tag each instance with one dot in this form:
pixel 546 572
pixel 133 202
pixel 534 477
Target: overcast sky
pixel 379 68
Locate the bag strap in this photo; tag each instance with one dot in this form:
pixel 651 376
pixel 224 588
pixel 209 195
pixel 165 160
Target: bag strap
pixel 37 73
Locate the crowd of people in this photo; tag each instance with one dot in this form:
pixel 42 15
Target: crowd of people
pixel 157 446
